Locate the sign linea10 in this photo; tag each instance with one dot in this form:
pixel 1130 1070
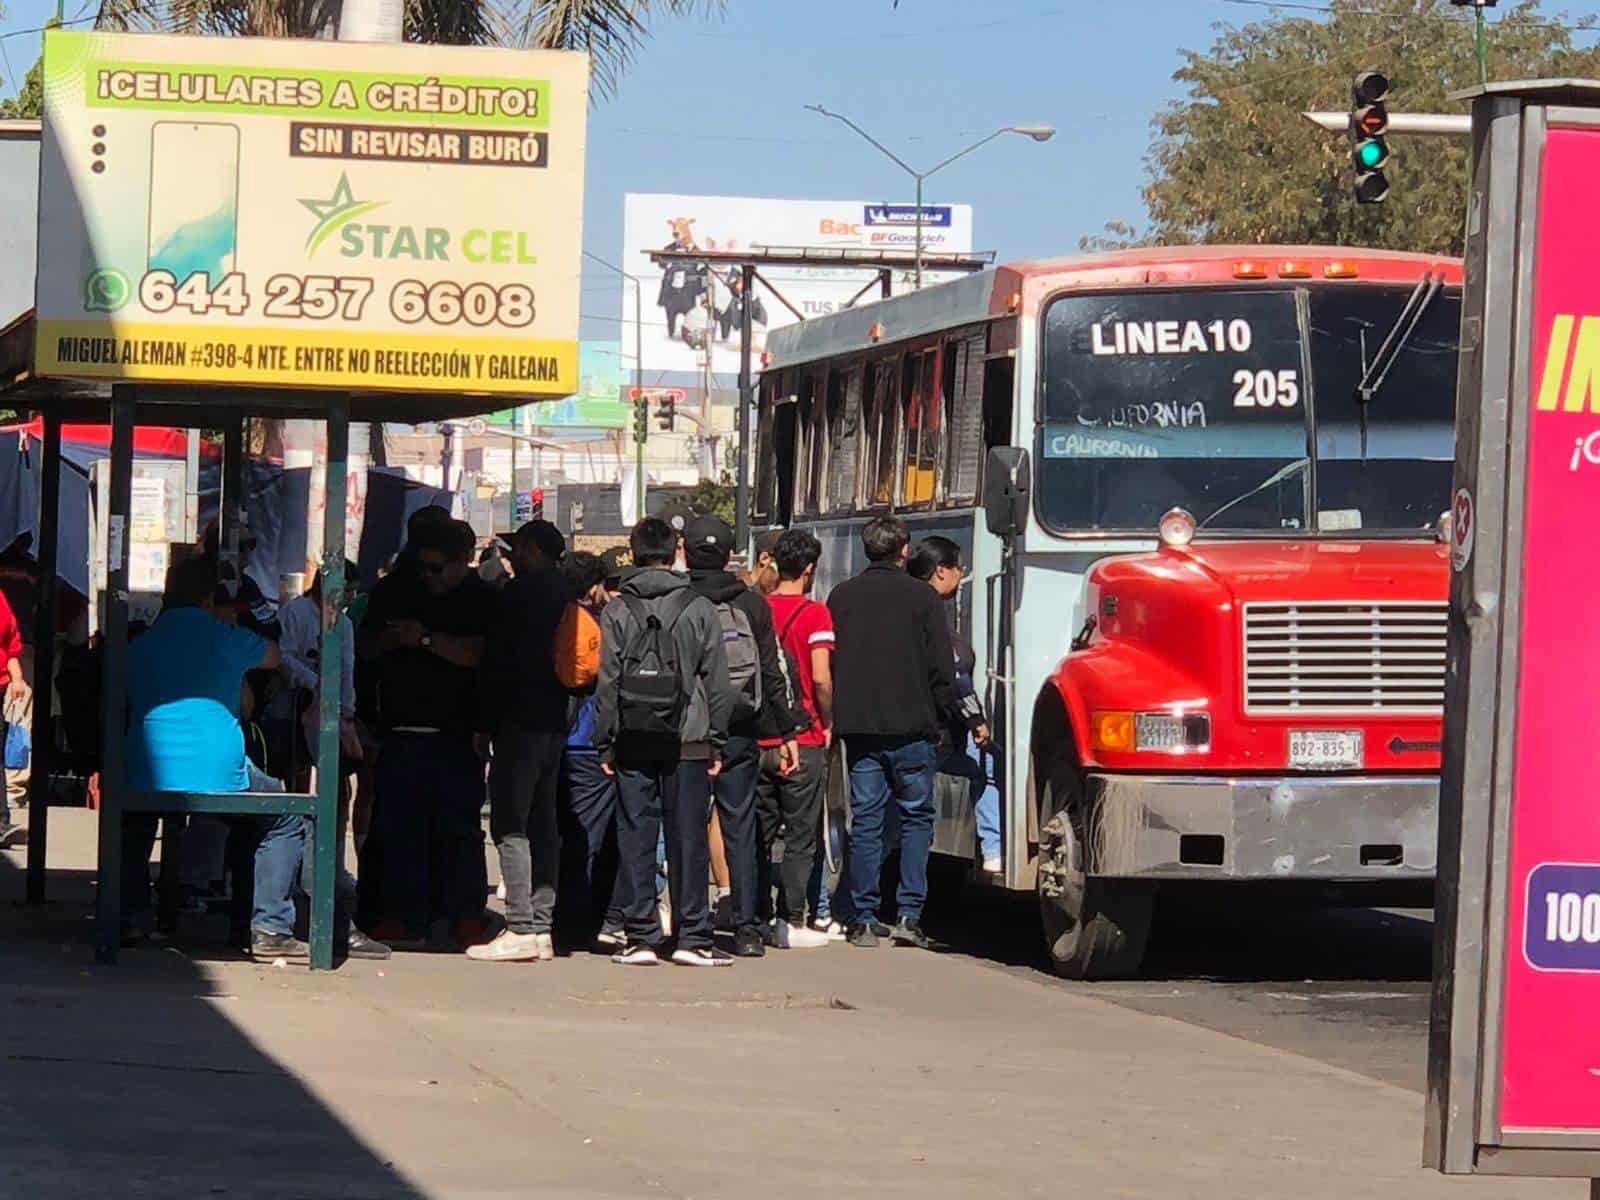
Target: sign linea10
pixel 246 210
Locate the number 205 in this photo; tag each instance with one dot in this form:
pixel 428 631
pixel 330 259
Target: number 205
pixel 1266 389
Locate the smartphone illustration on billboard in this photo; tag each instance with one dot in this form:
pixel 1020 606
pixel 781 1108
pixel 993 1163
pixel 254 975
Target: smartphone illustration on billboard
pixel 194 198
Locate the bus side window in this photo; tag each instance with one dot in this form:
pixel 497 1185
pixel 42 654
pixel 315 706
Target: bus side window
pixel 761 499
pixel 783 459
pixel 804 434
pixel 964 418
pixel 822 410
pixel 922 429
pixel 878 460
pixel 844 423
pixel 997 389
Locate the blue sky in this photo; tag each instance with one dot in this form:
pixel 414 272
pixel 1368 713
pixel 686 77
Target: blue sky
pixel 716 107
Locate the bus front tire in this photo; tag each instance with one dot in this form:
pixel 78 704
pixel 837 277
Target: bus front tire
pixel 1093 928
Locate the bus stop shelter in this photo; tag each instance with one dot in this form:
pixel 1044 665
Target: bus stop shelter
pixel 126 407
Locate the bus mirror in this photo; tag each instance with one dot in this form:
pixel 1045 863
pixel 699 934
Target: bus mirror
pixel 1007 481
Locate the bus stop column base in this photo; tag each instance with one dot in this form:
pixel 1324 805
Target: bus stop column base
pixel 114 716
pixel 44 660
pixel 326 847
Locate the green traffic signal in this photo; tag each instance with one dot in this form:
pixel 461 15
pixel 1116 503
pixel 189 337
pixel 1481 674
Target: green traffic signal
pixel 1371 154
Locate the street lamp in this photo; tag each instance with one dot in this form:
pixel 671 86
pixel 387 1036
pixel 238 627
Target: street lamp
pixel 640 430
pixel 1039 133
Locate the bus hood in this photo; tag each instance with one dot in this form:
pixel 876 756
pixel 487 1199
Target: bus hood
pixel 1316 569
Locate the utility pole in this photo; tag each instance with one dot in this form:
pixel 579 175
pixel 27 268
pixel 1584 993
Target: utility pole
pixel 1480 33
pixel 640 414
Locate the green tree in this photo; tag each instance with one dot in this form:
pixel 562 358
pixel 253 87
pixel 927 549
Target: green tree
pixel 611 31
pixel 29 100
pixel 1235 162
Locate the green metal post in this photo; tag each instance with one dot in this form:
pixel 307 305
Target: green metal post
pixel 326 850
pixel 1483 48
pixel 44 660
pixel 114 713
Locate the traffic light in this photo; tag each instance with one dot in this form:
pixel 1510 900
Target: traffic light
pixel 641 420
pixel 666 413
pixel 536 504
pixel 1369 121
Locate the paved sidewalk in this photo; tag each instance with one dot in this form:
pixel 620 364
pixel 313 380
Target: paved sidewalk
pixel 820 1074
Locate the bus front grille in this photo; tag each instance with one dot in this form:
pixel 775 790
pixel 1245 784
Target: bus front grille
pixel 1344 657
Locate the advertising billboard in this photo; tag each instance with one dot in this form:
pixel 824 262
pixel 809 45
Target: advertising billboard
pixel 309 213
pixel 598 403
pixel 692 306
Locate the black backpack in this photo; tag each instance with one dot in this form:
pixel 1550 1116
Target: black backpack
pixel 650 691
pixel 789 666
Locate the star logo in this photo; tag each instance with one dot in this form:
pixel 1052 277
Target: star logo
pixel 335 212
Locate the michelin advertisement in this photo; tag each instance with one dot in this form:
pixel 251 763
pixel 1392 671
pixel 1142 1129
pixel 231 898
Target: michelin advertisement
pixel 308 213
pixel 691 307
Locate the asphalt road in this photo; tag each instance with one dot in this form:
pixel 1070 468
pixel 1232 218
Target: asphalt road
pixel 1346 986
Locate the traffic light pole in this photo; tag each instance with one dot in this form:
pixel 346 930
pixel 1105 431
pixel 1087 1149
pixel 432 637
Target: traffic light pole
pixel 1416 124
pixel 640 428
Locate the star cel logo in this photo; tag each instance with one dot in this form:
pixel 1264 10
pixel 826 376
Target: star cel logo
pixel 335 212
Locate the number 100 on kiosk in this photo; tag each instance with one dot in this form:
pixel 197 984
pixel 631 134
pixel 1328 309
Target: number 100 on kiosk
pixel 365 217
pixel 1563 917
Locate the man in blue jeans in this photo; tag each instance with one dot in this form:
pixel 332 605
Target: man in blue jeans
pixel 894 687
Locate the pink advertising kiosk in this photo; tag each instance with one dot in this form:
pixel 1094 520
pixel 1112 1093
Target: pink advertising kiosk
pixel 1514 1054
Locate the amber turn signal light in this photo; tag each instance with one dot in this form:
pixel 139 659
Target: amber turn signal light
pixel 1111 730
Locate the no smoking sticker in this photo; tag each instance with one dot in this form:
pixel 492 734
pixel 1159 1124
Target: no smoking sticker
pixel 1463 529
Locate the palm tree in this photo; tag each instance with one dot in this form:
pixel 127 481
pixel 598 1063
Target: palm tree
pixel 610 31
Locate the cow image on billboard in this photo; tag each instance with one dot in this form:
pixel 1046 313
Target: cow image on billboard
pixel 690 308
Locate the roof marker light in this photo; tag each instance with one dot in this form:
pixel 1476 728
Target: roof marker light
pixel 1176 528
pixel 1249 269
pixel 1340 270
pixel 1293 270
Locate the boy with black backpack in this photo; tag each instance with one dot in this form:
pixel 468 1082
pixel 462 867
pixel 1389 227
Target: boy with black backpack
pixel 661 720
pixel 759 710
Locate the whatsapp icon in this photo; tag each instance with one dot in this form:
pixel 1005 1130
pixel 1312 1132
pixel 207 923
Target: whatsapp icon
pixel 106 290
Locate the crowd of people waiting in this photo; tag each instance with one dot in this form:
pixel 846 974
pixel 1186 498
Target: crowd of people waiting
pixel 636 718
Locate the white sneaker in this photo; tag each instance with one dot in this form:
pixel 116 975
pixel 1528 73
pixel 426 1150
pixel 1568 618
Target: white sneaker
pixel 991 864
pixel 834 931
pixel 637 954
pixel 610 939
pixel 798 937
pixel 507 947
pixel 546 946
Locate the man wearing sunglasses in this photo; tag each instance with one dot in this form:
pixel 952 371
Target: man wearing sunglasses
pixel 425 636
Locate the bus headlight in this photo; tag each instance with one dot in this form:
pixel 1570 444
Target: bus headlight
pixel 1172 733
pixel 1151 732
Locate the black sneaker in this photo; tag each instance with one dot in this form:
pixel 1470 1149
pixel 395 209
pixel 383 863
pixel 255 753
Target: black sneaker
pixel 12 836
pixel 637 954
pixel 909 933
pixel 361 946
pixel 862 935
pixel 879 928
pixel 747 943
pixel 703 956
pixel 264 947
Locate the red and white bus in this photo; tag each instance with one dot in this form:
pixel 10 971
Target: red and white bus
pixel 1202 493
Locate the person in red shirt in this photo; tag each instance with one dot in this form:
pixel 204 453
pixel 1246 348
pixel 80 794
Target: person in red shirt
pixel 791 801
pixel 16 688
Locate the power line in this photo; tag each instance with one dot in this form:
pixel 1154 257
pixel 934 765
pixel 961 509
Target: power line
pixel 44 28
pixel 899 36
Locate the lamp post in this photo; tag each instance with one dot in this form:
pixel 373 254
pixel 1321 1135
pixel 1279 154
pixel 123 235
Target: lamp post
pixel 1039 133
pixel 640 427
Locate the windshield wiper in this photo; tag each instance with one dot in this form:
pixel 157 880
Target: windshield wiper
pixel 1277 477
pixel 1374 373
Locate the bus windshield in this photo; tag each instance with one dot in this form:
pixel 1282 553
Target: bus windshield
pixel 1199 399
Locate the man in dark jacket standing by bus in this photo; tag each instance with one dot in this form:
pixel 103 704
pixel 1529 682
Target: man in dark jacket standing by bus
pixel 756 680
pixel 661 720
pixel 894 679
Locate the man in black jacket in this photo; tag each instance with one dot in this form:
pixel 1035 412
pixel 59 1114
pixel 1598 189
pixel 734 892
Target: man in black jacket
pixel 751 648
pixel 894 681
pixel 523 714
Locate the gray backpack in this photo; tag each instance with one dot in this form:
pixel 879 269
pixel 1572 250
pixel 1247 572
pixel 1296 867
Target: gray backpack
pixel 744 661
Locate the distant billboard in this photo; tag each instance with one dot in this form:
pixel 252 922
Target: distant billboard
pixel 690 306
pixel 598 402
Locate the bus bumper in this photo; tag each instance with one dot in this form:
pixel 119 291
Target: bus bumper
pixel 1292 827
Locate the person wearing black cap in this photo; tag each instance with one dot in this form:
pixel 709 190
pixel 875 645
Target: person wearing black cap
pixel 522 714
pixel 759 710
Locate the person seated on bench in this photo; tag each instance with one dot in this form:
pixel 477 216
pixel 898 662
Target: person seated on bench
pixel 185 674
